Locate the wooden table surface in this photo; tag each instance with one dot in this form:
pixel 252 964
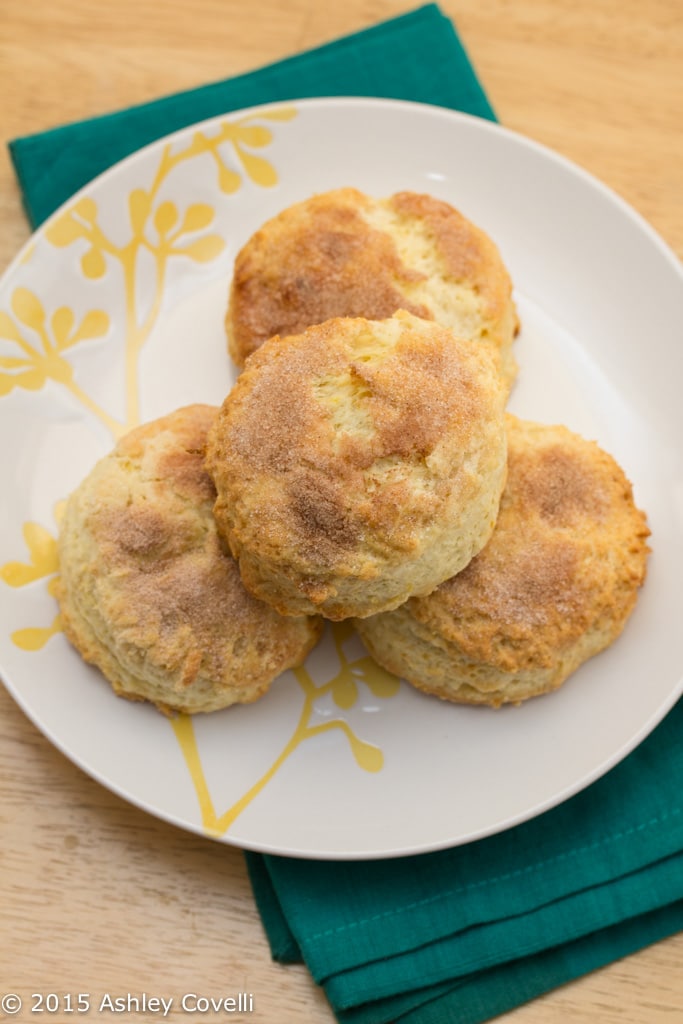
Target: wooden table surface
pixel 95 895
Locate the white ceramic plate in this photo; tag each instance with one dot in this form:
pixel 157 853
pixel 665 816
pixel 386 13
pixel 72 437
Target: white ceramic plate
pixel 113 314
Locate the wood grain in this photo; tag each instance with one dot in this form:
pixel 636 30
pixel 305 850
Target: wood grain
pixel 96 895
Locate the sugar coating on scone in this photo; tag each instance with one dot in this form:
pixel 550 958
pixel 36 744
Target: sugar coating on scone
pixel 147 590
pixel 359 463
pixel 554 586
pixel 345 254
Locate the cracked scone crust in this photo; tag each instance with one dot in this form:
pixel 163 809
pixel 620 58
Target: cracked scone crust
pixel 343 253
pixel 358 463
pixel 147 591
pixel 554 585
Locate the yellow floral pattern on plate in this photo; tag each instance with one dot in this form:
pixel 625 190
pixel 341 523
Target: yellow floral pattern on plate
pixel 43 564
pixel 36 345
pixel 343 687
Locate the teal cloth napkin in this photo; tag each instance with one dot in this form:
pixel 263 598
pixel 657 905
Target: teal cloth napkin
pixel 464 934
pixel 416 56
pixel 461 935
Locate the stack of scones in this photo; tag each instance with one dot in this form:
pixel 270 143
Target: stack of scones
pixel 364 467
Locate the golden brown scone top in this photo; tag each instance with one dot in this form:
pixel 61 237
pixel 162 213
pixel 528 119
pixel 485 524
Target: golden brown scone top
pixel 148 591
pixel 148 522
pixel 340 448
pixel 567 556
pixel 342 253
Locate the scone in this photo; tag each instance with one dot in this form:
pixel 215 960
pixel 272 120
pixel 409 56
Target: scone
pixel 343 253
pixel 554 585
pixel 148 592
pixel 358 463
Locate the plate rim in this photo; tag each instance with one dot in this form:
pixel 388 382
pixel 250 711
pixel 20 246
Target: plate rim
pixel 427 109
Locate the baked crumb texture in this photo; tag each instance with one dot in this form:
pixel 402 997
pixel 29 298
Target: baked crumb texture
pixel 147 590
pixel 344 254
pixel 359 463
pixel 554 585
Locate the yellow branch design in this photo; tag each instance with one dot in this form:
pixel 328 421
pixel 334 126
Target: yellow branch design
pixel 368 756
pixel 115 428
pixel 34 638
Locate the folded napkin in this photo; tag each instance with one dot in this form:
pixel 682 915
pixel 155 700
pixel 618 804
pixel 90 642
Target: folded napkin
pixel 417 56
pixel 462 934
pixel 465 934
